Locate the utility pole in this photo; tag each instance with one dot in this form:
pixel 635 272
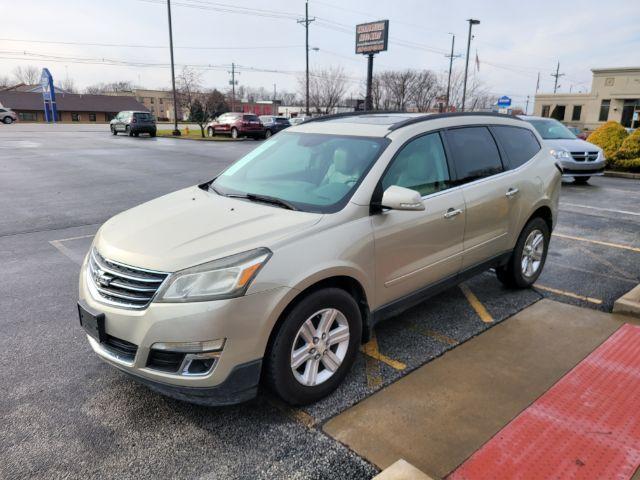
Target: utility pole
pixel 526 109
pixel 472 22
pixel 233 83
pixel 306 21
pixel 556 76
pixel 175 132
pixel 538 83
pixel 451 57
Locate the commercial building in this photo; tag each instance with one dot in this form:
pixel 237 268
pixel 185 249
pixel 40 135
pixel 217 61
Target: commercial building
pixel 158 102
pixel 71 107
pixel 615 95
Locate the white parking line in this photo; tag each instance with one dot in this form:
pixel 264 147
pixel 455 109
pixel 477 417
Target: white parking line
pixel 67 252
pixel 625 212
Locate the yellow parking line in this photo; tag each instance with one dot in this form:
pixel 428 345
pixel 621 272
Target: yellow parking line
pixel 476 304
pixel 435 335
pixel 295 414
pixel 597 242
pixel 371 349
pixel 596 301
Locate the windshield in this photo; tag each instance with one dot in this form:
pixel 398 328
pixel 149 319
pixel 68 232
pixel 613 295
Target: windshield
pixel 552 129
pixel 313 172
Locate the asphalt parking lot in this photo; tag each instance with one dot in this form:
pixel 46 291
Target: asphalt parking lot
pixel 66 414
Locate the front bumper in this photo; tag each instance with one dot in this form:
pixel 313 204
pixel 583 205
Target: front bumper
pixel 245 323
pixel 571 168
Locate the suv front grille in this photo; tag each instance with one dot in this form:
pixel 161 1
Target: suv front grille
pixel 582 156
pixel 122 285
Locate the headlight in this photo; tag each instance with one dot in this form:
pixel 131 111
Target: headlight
pixel 227 277
pixel 561 154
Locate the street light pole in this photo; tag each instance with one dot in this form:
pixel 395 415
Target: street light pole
pixel 175 132
pixel 472 22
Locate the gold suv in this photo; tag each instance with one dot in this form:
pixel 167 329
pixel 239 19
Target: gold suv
pixel 276 271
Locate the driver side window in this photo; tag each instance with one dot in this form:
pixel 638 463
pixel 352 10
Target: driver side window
pixel 421 165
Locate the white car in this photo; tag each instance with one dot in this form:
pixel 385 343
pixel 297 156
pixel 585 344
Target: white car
pixel 579 159
pixel 7 115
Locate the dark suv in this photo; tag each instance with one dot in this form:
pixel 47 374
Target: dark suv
pixel 134 123
pixel 237 125
pixel 273 124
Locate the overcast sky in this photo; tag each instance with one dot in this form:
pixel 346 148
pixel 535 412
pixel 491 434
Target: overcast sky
pixel 514 41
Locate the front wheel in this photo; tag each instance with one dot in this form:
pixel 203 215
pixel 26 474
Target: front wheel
pixel 128 131
pixel 234 133
pixel 581 180
pixel 528 257
pixel 113 131
pixel 211 132
pixel 267 134
pixel 8 120
pixel 153 133
pixel 314 347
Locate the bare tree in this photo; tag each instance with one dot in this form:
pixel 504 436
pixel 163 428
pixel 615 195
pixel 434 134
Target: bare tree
pixel 113 87
pixel 478 95
pixel 327 88
pixel 289 98
pixel 5 81
pixel 399 85
pixel 189 86
pixel 68 85
pixel 206 106
pixel 28 74
pixel 424 91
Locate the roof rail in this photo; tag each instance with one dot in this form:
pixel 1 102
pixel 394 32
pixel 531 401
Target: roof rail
pixel 435 116
pixel 357 113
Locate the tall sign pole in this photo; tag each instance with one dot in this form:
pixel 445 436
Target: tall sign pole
pixel 472 22
pixel 451 57
pixel 371 38
pixel 175 132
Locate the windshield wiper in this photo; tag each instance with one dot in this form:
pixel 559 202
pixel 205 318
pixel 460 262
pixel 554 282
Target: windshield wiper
pixel 265 199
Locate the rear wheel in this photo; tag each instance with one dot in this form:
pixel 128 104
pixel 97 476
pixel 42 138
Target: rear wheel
pixel 528 257
pixel 267 134
pixel 113 130
pixel 234 133
pixel 211 132
pixel 128 131
pixel 8 120
pixel 152 133
pixel 314 347
pixel 581 180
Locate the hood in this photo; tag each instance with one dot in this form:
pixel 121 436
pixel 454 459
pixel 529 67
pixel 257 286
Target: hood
pixel 572 145
pixel 192 226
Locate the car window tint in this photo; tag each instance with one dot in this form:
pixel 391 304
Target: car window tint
pixel 421 165
pixel 474 152
pixel 251 118
pixel 520 144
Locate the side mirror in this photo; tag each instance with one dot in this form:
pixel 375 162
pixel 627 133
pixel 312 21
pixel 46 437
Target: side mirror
pixel 400 198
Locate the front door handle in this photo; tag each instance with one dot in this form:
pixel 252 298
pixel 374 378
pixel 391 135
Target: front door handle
pixel 512 192
pixel 452 212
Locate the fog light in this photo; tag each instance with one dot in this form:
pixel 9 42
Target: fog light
pixel 198 363
pixel 188 347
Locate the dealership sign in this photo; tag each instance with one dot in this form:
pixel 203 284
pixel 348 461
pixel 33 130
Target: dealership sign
pixel 372 37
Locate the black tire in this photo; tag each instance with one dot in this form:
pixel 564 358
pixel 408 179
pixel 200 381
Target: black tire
pixel 211 132
pixel 234 133
pixel 152 133
pixel 128 131
pixel 511 274
pixel 581 180
pixel 267 134
pixel 113 131
pixel 278 373
pixel 136 134
pixel 8 120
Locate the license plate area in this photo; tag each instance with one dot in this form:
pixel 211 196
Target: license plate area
pixel 93 322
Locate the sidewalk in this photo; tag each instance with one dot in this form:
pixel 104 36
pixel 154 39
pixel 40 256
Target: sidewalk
pixel 439 415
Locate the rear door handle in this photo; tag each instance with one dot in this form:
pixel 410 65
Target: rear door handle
pixel 512 192
pixel 452 212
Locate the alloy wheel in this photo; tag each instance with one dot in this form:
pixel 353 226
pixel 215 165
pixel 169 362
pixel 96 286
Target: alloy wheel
pixel 532 253
pixel 320 347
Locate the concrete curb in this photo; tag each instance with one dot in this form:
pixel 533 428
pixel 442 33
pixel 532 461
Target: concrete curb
pixel 402 470
pixel 629 303
pixel 613 173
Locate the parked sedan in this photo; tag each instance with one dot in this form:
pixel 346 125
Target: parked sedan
pixel 7 115
pixel 273 124
pixel 133 123
pixel 237 124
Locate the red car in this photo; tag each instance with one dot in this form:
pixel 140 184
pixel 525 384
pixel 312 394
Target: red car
pixel 237 125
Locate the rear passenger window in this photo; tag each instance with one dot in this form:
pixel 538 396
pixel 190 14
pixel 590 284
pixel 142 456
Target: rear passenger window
pixel 475 153
pixel 421 165
pixel 520 144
